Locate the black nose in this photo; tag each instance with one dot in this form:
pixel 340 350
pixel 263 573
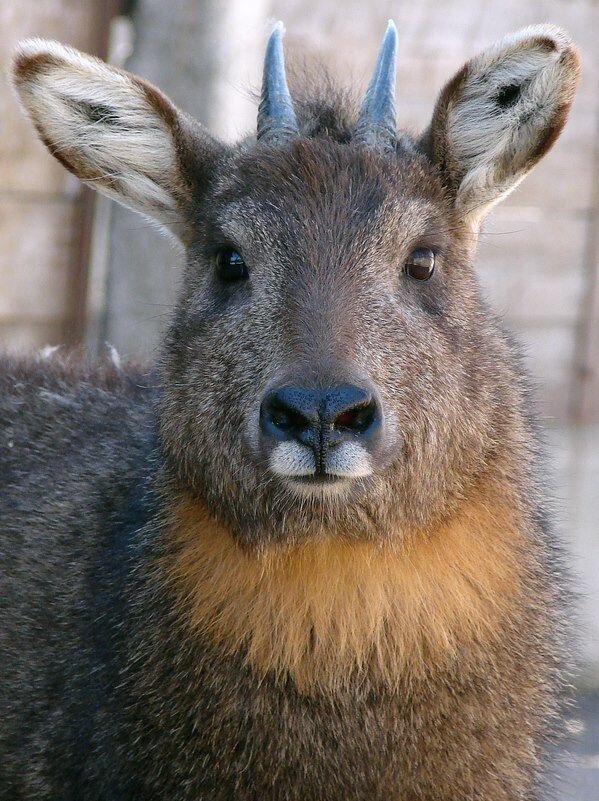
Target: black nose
pixel 320 418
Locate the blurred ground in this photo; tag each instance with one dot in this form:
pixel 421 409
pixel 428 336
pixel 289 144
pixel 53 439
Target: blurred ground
pixel 574 458
pixel 579 778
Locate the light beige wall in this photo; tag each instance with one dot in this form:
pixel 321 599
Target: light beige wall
pixel 38 200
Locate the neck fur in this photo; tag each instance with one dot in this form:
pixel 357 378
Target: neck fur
pixel 330 609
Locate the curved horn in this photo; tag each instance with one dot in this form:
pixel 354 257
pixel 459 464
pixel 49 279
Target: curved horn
pixel 376 126
pixel 276 117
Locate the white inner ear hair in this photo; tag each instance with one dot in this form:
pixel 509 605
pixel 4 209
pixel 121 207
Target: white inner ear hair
pixel 508 100
pixel 105 126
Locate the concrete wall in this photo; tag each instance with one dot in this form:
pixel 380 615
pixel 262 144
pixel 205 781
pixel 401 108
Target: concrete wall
pixel 40 204
pixel 205 55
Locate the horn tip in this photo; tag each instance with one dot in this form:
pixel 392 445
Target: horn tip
pixel 391 28
pixel 278 28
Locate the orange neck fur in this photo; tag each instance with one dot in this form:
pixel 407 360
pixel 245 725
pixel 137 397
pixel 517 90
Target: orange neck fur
pixel 329 609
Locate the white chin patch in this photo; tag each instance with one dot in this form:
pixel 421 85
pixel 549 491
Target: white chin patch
pixel 349 460
pixel 292 459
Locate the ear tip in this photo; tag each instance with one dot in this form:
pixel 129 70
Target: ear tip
pixel 571 64
pixel 549 32
pixel 36 46
pixel 569 52
pixel 30 56
pixel 550 36
pixel 24 56
pixel 562 44
pixel 553 48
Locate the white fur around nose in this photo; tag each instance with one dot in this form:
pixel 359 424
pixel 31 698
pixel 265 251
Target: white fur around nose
pixel 292 459
pixel 349 460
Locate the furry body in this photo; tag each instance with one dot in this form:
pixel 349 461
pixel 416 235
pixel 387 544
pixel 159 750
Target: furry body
pixel 123 703
pixel 192 614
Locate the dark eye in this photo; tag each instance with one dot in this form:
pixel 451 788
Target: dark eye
pixel 420 264
pixel 230 266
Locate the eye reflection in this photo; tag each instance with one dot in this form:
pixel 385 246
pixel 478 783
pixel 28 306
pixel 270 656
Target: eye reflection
pixel 420 264
pixel 230 265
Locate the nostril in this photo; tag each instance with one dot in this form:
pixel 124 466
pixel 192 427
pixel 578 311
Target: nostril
pixel 319 418
pixel 290 413
pixel 285 418
pixel 357 419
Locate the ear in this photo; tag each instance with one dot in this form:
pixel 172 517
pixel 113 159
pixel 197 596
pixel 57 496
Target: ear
pixel 114 131
pixel 500 114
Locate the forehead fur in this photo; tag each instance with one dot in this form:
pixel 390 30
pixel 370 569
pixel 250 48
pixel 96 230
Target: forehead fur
pixel 312 175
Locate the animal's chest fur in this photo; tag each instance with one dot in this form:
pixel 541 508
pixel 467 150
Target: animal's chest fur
pixel 267 741
pixel 212 730
pixel 234 735
pixel 343 670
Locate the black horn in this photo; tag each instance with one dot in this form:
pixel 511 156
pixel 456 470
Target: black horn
pixel 276 117
pixel 376 126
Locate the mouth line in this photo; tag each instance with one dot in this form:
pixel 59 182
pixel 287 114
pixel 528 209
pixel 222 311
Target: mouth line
pixel 316 479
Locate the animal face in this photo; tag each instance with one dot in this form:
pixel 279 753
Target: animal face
pixel 330 365
pixel 313 376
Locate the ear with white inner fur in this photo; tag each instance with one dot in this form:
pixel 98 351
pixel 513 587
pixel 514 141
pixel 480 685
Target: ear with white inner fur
pixel 114 131
pixel 500 114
